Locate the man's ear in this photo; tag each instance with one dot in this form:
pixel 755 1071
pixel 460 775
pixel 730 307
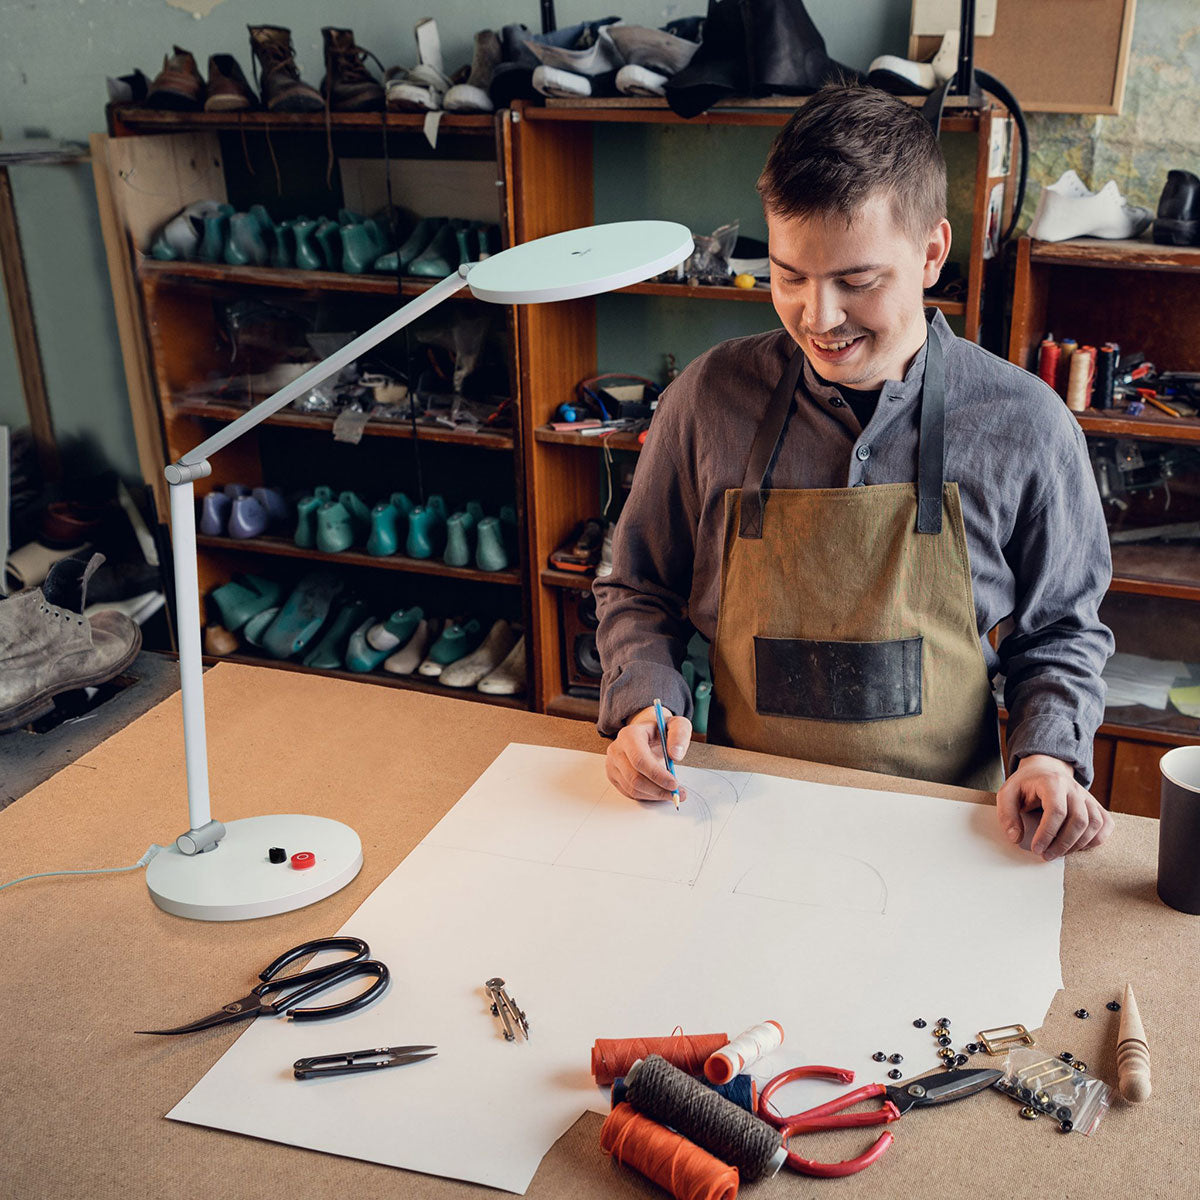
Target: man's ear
pixel 937 247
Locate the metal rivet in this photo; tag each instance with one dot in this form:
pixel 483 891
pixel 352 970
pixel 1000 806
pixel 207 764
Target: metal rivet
pixel 920 1023
pixel 1030 1114
pixel 1082 1014
pixel 896 1058
pixel 1040 1096
pixel 943 1040
pixel 879 1056
pixel 1064 1113
pixel 1025 1093
pixel 1065 1127
pixel 946 1053
pixel 1067 1056
pixel 1079 1065
pixel 1113 1006
pixel 895 1074
pixel 972 1047
pixel 960 1060
pixel 943 1020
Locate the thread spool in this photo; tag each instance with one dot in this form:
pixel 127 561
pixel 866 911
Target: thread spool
pixel 1066 349
pixel 745 1049
pixel 1106 370
pixel 1133 1053
pixel 671 1161
pixel 1047 362
pixel 741 1090
pixel 612 1057
pixel 1079 380
pixel 665 1094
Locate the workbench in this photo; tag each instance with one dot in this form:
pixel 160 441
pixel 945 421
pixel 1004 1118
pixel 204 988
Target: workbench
pixel 89 959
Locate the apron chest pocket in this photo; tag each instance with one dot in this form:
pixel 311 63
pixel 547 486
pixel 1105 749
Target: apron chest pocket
pixel 837 681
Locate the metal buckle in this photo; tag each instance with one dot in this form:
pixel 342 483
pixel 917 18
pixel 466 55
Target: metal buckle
pixel 1004 1037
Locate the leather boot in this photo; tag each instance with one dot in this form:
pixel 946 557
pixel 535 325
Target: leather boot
pixel 46 648
pixel 279 79
pixel 1178 219
pixel 349 86
pixel 178 85
pixel 228 90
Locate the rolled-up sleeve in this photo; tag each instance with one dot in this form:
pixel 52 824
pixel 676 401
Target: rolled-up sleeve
pixel 642 606
pixel 1060 557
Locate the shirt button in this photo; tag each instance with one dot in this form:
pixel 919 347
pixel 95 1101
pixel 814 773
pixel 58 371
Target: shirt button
pixel 863 453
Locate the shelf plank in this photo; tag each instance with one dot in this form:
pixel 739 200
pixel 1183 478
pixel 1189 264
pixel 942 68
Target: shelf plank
pixel 406 682
pixel 578 708
pixel 618 440
pixel 1132 255
pixel 282 548
pixel 567 579
pixel 739 110
pixel 298 420
pixel 150 120
pixel 294 278
pixel 1157 569
pixel 1158 428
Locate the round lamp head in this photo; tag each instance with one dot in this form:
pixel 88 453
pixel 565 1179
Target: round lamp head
pixel 580 262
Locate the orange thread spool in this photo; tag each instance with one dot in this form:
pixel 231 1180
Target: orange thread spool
pixel 1047 364
pixel 671 1161
pixel 612 1057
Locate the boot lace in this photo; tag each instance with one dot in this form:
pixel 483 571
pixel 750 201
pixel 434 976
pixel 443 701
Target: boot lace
pixel 348 64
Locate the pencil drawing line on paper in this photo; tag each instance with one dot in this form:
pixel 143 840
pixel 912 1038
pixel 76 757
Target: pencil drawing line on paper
pixel 827 880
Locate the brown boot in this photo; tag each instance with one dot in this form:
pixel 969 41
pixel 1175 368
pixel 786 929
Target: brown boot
pixel 279 79
pixel 228 90
pixel 46 648
pixel 348 83
pixel 178 85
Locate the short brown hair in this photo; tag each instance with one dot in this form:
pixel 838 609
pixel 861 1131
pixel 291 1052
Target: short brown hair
pixel 847 142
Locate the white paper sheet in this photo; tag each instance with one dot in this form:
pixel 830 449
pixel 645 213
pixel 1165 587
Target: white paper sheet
pixel 843 914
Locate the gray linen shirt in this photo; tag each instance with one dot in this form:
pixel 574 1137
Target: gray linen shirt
pixel 1035 528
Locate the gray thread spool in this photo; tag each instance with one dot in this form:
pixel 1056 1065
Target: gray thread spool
pixel 663 1092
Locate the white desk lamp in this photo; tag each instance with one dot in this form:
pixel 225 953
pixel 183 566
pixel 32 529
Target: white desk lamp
pixel 218 872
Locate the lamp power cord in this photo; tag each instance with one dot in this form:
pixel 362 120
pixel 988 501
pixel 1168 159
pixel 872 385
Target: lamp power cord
pixel 151 851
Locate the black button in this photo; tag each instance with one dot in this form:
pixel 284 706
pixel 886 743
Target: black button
pixel 836 401
pixel 863 453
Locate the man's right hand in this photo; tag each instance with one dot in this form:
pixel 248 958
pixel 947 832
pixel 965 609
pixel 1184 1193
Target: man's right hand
pixel 634 762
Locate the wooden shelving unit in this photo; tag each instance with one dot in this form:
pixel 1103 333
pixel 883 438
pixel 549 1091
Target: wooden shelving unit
pixel 552 175
pixel 158 162
pixel 1143 297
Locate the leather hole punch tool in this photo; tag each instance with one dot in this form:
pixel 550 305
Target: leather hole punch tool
pixel 917 1093
pixel 292 989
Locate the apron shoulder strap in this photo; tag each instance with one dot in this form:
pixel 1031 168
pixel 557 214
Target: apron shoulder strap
pixel 766 442
pixel 931 452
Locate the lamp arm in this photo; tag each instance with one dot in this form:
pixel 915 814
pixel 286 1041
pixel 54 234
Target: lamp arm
pixel 204 832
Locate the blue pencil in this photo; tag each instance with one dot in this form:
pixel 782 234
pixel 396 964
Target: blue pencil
pixel 662 733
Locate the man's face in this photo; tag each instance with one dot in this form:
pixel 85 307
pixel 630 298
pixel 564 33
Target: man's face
pixel 852 296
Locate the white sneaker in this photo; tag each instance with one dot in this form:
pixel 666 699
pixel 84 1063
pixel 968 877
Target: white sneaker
pixel 406 659
pixel 633 80
pixel 605 566
pixel 1067 209
pixel 419 89
pixel 508 679
pixel 468 671
pixel 550 81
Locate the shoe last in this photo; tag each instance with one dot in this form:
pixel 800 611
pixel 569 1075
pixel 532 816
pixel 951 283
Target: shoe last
pixel 308 254
pixel 335 529
pixel 248 518
pixel 458 549
pixel 246 246
pixel 330 652
pixel 360 514
pixel 422 523
pixel 257 626
pixel 272 500
pixel 407 658
pixel 508 679
pixel 489 552
pixel 302 614
pixel 214 513
pixel 383 538
pixel 306 524
pixel 212 244
pixel 360 655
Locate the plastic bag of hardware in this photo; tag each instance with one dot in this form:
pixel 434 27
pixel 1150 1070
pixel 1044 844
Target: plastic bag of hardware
pixel 1057 1088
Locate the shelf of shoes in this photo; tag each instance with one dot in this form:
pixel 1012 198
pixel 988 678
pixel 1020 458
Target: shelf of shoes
pixel 125 119
pixel 379 284
pixel 379 677
pixel 221 413
pixel 1136 255
pixel 283 548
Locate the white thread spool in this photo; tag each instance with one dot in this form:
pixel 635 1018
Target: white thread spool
pixel 731 1060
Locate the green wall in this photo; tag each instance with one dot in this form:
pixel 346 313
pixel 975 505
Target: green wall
pixel 54 55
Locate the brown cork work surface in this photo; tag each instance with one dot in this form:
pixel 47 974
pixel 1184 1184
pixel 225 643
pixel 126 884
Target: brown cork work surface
pixel 87 960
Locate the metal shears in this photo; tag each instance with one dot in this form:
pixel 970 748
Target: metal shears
pixel 289 990
pixel 941 1088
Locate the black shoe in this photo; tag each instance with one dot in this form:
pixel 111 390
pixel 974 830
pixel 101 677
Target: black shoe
pixel 1178 220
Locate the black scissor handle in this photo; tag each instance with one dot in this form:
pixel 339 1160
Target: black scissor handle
pixel 335 975
pixel 357 945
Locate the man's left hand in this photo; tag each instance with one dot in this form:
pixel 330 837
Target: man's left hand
pixel 1072 818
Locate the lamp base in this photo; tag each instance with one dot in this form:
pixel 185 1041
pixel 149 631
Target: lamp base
pixel 237 881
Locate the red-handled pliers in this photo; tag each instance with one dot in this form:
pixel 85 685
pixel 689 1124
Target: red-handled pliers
pixel 941 1088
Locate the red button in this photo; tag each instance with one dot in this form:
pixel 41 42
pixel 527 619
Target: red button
pixel 303 860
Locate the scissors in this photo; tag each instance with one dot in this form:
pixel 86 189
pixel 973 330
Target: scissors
pixel 942 1088
pixel 300 987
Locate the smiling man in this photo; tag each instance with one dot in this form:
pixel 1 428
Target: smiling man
pixel 847 506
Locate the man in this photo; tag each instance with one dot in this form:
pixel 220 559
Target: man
pixel 847 506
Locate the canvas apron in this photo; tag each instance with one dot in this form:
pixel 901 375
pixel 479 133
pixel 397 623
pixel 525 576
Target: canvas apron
pixel 846 631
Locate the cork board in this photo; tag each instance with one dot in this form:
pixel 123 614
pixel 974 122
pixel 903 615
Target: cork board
pixel 1065 56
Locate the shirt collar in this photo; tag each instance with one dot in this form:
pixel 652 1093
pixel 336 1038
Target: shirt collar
pixel 908 388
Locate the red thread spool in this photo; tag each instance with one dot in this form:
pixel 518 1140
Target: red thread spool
pixel 1047 366
pixel 612 1057
pixel 671 1161
pixel 302 860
